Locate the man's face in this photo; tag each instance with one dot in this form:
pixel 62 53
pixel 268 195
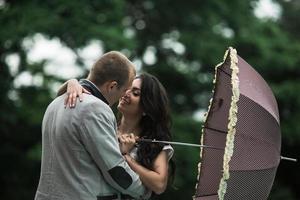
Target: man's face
pixel 119 92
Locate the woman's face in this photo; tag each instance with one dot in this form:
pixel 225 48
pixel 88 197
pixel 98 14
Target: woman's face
pixel 129 104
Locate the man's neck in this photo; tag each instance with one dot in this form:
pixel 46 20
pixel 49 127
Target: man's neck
pixel 95 91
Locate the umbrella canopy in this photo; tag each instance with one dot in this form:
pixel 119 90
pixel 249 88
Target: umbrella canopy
pixel 243 121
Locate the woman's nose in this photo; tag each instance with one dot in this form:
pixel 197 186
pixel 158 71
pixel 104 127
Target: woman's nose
pixel 127 93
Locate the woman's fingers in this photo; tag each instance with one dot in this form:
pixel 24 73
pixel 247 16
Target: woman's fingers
pixel 85 91
pixel 128 138
pixel 80 94
pixel 124 139
pixel 74 90
pixel 127 142
pixel 121 139
pixel 66 100
pixel 70 100
pixel 132 138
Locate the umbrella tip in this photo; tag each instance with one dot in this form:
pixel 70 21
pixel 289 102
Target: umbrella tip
pixel 288 159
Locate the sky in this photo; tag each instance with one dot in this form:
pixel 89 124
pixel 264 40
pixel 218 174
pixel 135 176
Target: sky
pixel 267 9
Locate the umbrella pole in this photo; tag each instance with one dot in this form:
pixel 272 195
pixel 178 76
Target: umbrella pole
pixel 288 159
pixel 198 145
pixel 177 143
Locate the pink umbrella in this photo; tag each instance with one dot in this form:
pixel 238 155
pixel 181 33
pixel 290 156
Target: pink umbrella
pixel 243 124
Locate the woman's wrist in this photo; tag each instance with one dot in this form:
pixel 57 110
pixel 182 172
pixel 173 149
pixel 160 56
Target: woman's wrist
pixel 128 158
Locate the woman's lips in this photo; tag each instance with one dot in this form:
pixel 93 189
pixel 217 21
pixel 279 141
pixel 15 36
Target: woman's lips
pixel 124 100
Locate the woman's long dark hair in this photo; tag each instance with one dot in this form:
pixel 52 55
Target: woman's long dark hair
pixel 155 122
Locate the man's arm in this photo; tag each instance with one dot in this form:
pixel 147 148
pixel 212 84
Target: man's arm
pixel 99 138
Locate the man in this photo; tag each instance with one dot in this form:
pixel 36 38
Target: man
pixel 81 157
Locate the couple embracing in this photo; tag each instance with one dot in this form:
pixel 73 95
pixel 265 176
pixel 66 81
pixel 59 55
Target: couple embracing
pixel 89 155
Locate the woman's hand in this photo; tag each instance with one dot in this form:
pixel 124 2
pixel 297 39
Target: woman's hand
pixel 74 90
pixel 127 142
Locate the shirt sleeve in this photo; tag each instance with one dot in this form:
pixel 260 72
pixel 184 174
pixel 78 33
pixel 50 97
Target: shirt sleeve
pixel 170 151
pixel 99 138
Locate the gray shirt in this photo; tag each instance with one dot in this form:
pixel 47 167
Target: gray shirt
pixel 80 157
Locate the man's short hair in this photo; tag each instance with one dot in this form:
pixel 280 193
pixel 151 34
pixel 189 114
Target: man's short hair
pixel 111 66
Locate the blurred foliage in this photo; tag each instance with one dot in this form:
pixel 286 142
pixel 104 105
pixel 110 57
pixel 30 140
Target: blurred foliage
pixel 188 40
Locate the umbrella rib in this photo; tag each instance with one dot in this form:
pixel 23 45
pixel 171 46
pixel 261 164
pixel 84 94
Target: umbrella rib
pixel 208 195
pixel 224 72
pixel 214 129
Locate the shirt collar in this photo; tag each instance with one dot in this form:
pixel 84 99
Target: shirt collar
pixel 93 89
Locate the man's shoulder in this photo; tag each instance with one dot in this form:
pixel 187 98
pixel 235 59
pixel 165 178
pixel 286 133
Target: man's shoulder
pixel 92 107
pixel 91 99
pixel 56 103
pixel 94 104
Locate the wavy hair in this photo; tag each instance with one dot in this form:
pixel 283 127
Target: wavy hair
pixel 156 120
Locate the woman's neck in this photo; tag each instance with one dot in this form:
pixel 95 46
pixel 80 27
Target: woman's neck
pixel 129 125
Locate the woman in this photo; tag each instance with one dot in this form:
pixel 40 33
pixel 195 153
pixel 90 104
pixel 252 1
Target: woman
pixel 144 113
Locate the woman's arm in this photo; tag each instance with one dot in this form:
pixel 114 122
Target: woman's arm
pixel 73 89
pixel 156 179
pixel 62 89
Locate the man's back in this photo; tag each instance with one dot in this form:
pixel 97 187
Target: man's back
pixel 74 148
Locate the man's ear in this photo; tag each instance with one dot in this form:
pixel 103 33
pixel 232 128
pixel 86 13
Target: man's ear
pixel 112 85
